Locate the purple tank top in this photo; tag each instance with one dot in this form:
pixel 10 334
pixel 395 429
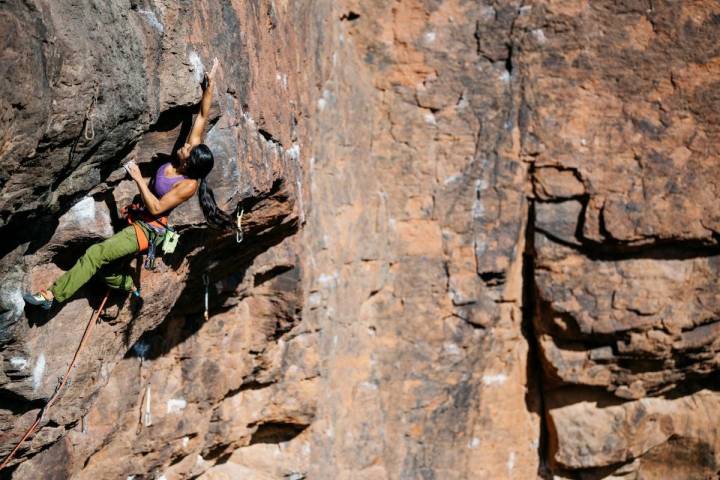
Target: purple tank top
pixel 163 184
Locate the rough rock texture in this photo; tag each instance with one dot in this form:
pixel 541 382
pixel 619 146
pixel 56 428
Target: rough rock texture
pixel 481 239
pixel 415 267
pixel 146 72
pixel 625 233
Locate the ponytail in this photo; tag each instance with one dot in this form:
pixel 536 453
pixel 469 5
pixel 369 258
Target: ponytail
pixel 199 165
pixel 214 216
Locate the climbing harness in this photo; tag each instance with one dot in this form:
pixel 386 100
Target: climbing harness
pixel 206 282
pixel 159 225
pixel 61 383
pixel 238 232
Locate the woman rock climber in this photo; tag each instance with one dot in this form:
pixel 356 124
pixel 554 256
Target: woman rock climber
pixel 175 182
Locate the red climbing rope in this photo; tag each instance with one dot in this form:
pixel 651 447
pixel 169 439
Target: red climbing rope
pixel 41 414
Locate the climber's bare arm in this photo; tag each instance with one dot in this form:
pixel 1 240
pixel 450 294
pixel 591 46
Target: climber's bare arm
pixel 182 191
pixel 198 128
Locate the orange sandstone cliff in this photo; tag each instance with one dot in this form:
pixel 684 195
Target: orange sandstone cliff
pixel 481 239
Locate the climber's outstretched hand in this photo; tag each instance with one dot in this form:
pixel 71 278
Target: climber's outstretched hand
pixel 209 77
pixel 195 136
pixel 133 170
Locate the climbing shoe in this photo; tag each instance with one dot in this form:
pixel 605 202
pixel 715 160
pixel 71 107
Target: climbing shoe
pixel 38 299
pixel 110 313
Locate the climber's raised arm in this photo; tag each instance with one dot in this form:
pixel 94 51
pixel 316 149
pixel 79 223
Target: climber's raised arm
pixel 198 128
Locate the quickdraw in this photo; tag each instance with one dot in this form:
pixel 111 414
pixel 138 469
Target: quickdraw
pixel 89 117
pixel 238 232
pixel 206 283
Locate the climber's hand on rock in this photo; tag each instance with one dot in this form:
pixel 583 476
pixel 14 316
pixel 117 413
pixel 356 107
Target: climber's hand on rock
pixel 133 170
pixel 209 78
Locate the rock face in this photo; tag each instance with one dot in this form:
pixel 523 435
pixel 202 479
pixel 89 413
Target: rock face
pixel 480 239
pixel 625 234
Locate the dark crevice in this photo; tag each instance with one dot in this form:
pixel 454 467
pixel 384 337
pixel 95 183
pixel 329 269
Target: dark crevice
pixel 597 473
pixel 535 397
pixel 276 432
pixel 493 278
pixel 509 59
pixel 25 227
pixel 17 404
pixel 268 275
pixel 248 386
pixel 349 16
pixel 218 453
pixel 661 249
pixel 269 137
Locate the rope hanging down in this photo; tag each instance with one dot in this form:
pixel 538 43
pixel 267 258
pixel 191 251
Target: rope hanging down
pixel 61 384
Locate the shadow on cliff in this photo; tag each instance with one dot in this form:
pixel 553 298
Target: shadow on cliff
pixel 39 232
pixel 269 222
pixel 535 397
pixel 545 391
pixel 611 249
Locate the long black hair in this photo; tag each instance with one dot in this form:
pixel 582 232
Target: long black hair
pixel 198 166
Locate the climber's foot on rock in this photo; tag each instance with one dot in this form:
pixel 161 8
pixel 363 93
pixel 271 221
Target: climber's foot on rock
pixel 42 299
pixel 110 312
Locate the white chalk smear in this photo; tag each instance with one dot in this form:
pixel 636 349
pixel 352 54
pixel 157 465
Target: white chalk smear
pixel 18 362
pixel 175 405
pixel 494 379
pixel 152 19
pixel 84 210
pixel 511 462
pixel 197 65
pixel 38 371
pixel 539 35
pixel 451 348
pixel 324 278
pixel 452 178
pixel 294 152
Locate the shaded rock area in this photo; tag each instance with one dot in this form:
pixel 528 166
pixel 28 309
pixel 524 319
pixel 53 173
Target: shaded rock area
pixel 480 239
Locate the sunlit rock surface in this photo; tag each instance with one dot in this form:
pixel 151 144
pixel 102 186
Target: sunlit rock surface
pixel 480 239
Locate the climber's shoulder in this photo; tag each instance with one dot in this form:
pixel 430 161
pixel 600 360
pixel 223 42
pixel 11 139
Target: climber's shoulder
pixel 186 188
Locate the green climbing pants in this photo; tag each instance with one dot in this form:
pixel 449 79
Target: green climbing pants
pixel 122 244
